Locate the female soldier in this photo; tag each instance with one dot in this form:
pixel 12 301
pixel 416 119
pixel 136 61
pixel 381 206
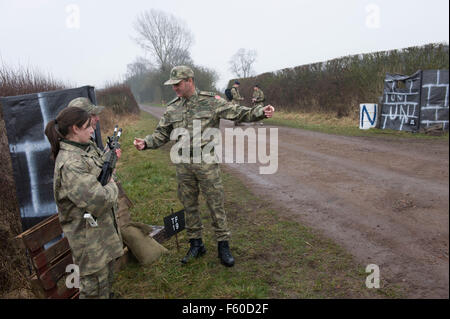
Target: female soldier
pixel 77 192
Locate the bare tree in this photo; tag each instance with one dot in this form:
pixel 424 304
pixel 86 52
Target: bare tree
pixel 241 63
pixel 165 37
pixel 139 67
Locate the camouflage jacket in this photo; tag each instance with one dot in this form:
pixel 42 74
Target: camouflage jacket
pixel 77 191
pixel 206 107
pixel 258 95
pixel 95 150
pixel 236 95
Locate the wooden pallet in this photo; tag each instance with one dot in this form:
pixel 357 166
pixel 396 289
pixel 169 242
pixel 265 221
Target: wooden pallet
pixel 49 264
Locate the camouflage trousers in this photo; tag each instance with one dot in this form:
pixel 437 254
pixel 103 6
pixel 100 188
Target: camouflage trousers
pixel 98 285
pixel 193 178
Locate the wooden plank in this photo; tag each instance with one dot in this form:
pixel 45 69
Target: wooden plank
pixel 49 279
pixel 36 287
pixel 65 293
pixel 77 295
pixel 53 293
pixel 32 229
pixel 69 293
pixel 36 252
pixel 40 234
pixel 49 255
pixel 159 234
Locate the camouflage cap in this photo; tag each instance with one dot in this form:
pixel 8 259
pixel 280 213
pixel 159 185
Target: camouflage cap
pixel 179 73
pixel 86 104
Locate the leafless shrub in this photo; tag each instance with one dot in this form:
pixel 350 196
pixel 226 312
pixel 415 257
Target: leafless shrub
pixel 339 85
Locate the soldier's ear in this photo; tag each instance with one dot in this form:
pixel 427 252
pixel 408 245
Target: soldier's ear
pixel 75 130
pixel 70 132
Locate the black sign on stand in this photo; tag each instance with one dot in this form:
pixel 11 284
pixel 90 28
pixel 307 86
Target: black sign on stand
pixel 174 223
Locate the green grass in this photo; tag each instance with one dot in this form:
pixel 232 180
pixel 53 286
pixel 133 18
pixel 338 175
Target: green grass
pixel 275 257
pixel 154 104
pixel 326 123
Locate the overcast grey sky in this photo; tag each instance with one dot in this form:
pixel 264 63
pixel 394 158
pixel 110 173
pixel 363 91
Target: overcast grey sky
pixel 285 33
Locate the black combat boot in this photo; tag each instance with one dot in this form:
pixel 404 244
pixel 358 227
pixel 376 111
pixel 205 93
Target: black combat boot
pixel 224 254
pixel 196 250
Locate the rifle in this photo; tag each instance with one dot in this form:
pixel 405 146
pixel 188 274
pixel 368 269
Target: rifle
pixel 108 167
pixel 111 157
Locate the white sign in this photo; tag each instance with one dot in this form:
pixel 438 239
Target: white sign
pixel 368 113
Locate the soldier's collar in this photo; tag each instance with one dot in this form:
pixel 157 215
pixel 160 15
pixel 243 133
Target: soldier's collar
pixel 192 97
pixel 83 146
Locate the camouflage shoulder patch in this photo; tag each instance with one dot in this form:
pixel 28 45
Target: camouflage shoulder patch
pixel 173 100
pixel 207 93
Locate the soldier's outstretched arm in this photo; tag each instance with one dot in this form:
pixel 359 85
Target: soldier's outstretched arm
pixel 231 111
pixel 160 136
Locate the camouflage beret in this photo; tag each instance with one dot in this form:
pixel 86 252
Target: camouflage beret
pixel 86 104
pixel 179 73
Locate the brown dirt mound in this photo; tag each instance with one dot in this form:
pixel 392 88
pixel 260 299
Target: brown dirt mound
pixel 13 264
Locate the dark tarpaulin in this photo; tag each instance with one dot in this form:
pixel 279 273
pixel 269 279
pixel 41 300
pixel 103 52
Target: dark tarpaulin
pixel 414 102
pixel 401 102
pixel 435 98
pixel 25 118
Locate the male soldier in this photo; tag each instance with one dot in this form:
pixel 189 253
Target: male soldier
pixel 235 92
pixel 236 96
pixel 258 97
pixel 208 108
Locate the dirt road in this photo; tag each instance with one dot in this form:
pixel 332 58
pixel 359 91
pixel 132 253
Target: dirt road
pixel 385 200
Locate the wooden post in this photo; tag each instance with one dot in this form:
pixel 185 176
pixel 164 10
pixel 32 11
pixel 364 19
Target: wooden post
pixel 176 240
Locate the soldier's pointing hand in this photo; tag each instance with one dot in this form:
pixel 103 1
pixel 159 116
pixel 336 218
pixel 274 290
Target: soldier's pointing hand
pixel 139 143
pixel 269 110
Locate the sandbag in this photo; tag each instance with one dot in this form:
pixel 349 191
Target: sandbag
pixel 143 247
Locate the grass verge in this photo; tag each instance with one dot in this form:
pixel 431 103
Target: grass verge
pixel 329 123
pixel 275 257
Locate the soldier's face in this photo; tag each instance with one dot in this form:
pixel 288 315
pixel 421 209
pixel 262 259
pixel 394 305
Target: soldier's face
pixel 83 134
pixel 94 119
pixel 183 88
